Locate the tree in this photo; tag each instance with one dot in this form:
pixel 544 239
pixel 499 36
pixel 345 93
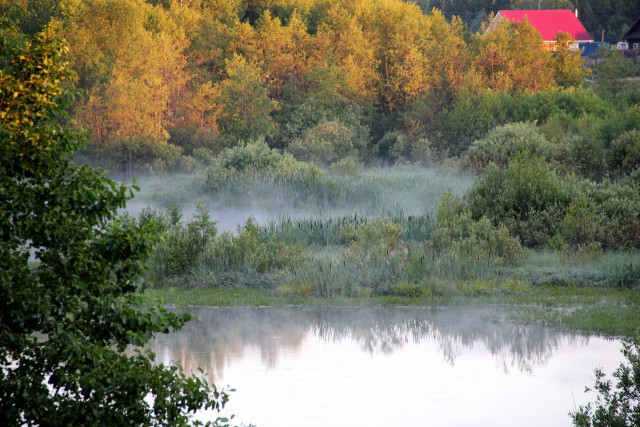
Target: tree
pixel 71 269
pixel 512 58
pixel 616 406
pixel 245 104
pixel 129 57
pixel 611 75
pixel 568 66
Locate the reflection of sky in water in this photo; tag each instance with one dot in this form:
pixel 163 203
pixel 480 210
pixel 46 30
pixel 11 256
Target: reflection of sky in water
pixel 389 366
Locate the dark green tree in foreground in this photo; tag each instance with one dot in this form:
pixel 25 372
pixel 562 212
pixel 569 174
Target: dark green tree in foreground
pixel 617 405
pixel 70 269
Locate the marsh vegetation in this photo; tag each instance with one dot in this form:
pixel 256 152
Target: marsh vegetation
pixel 412 240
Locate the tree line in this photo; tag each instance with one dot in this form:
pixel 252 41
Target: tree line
pixel 162 78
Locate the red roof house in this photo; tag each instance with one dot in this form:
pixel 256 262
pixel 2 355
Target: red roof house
pixel 548 23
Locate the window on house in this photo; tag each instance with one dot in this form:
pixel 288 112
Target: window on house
pixel 636 45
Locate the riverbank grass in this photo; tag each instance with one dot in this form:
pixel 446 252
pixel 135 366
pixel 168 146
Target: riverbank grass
pixel 608 311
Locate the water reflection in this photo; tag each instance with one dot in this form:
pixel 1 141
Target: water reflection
pixel 220 335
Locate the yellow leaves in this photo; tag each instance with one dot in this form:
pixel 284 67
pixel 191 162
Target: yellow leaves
pixel 512 57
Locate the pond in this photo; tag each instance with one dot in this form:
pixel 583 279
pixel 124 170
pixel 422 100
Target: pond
pixel 453 366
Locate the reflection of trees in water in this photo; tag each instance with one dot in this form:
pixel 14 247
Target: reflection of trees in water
pixel 453 329
pixel 219 335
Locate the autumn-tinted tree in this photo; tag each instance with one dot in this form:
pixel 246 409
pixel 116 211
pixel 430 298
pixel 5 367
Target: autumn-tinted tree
pixel 512 57
pixel 130 59
pixel 245 105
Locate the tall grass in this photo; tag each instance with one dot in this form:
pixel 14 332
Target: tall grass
pixel 369 272
pixel 581 268
pixel 329 231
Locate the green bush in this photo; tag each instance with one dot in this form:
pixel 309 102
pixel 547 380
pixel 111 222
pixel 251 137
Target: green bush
pixel 381 235
pixel 183 246
pixel 585 156
pixel 581 224
pixel 196 255
pixel 415 150
pixel 504 142
pixel 541 208
pixel 527 197
pixel 252 156
pixel 327 142
pixel 456 230
pixel 347 166
pixel 409 290
pixel 624 153
pixel 241 167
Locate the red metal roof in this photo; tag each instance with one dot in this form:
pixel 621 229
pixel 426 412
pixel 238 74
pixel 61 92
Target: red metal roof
pixel 550 22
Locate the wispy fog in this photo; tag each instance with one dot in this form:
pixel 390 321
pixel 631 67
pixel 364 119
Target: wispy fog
pixel 375 193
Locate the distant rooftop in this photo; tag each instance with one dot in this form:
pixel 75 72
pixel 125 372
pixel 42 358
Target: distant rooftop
pixel 550 22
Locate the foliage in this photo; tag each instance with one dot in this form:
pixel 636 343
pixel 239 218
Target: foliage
pixel 192 253
pixel 617 404
pixel 504 142
pixel 71 270
pixel 610 76
pixel 406 148
pixel 210 73
pixel 534 203
pixel 182 245
pixel 512 58
pixel 131 158
pixel 526 196
pixel 255 160
pixel 456 228
pixel 327 142
pixel 568 66
pixel 247 108
pixel 347 166
pixel 624 153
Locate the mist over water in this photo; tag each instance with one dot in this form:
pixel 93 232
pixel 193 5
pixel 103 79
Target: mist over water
pixel 375 193
pixel 452 366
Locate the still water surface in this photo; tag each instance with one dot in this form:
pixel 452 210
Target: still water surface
pixel 455 366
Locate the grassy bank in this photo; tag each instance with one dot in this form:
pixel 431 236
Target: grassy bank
pixel 608 311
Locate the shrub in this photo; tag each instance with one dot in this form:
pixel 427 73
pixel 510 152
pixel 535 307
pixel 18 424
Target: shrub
pixel 252 156
pixel 581 224
pixel 504 142
pixel 526 196
pixel 416 150
pixel 383 235
pixel 183 246
pixel 290 169
pixel 347 166
pixel 624 153
pixel 585 156
pixel 128 156
pixel 455 229
pixel 409 290
pixel 619 404
pixel 253 161
pixel 327 142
